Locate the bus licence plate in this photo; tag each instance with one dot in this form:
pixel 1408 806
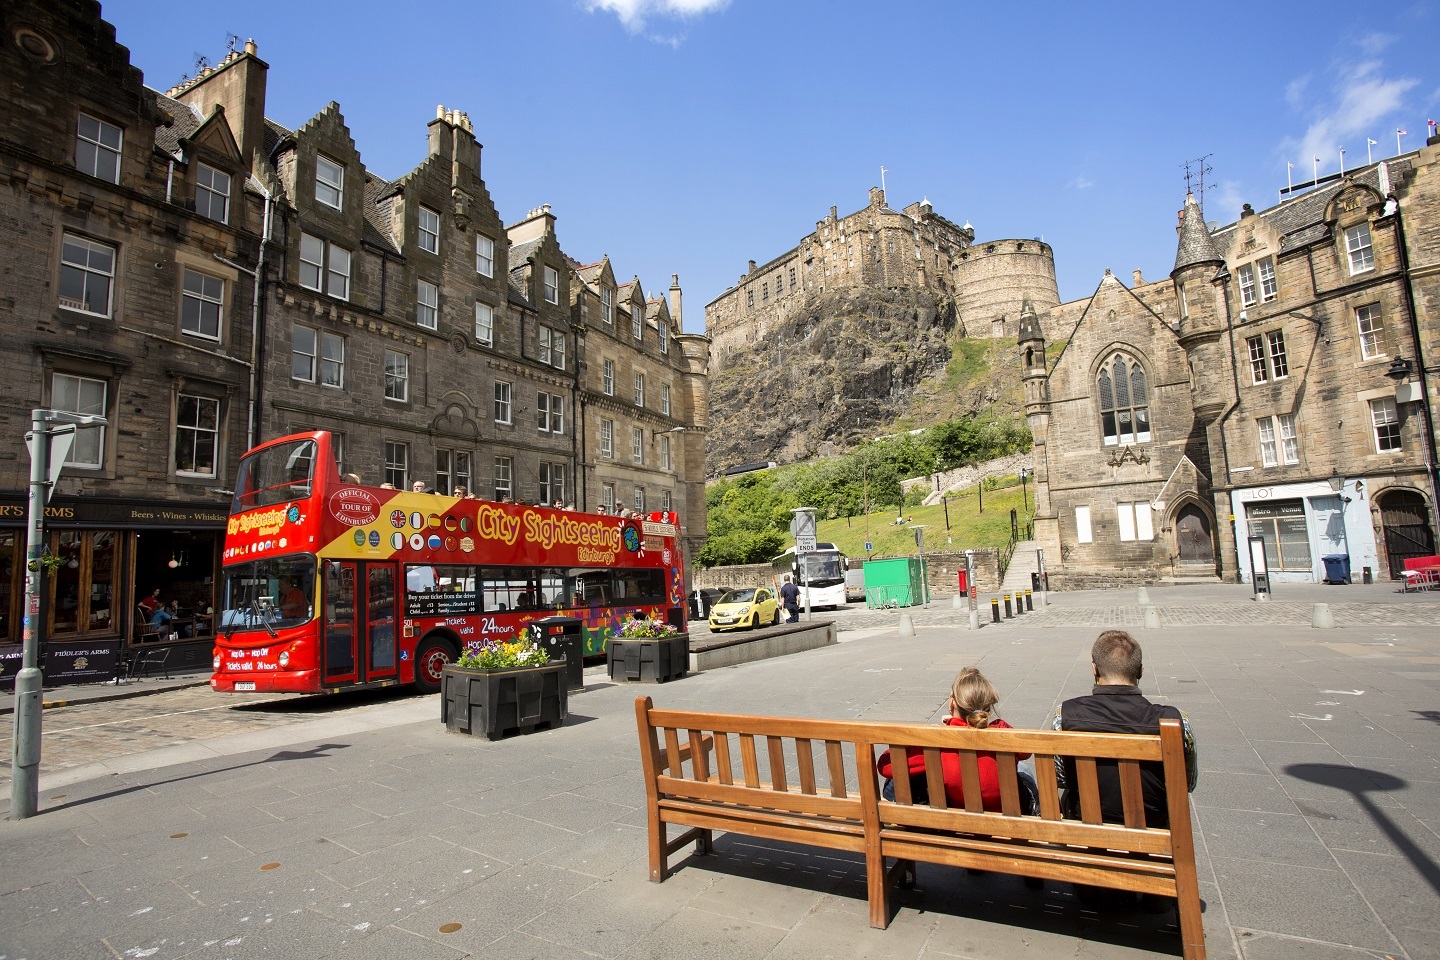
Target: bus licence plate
pixel 244 684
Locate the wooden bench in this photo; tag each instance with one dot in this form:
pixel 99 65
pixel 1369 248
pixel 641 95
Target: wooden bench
pixel 813 782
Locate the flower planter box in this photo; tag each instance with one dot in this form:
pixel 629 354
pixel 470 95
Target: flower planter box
pixel 649 659
pixel 498 703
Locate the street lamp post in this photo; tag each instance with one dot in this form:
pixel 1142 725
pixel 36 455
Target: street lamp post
pixel 1024 490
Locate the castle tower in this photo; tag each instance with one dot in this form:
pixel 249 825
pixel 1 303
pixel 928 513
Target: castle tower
pixel 1034 376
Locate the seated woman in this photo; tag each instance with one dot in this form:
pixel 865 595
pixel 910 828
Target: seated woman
pixel 972 703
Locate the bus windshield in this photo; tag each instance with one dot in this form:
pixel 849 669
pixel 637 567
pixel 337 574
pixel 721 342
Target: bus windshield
pixel 277 474
pixel 267 593
pixel 821 569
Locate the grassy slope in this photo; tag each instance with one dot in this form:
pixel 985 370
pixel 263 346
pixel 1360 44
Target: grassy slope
pixel 969 528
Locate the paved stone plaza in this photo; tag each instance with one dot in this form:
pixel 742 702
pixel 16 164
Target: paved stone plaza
pixel 377 834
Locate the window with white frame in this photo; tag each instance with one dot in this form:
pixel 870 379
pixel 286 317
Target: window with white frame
pixel 302 353
pixel 665 399
pixel 637 444
pixel 197 435
pixel 665 339
pixel 427 304
pixel 1268 285
pixel 607 304
pixel 97 148
pixel 1358 249
pixel 640 500
pixel 664 453
pixel 202 304
pixel 1246 276
pixel 484 324
pixel 552 285
pixel 1259 368
pixel 504 478
pixel 397 375
pixel 502 401
pixel 428 230
pixel 1371 324
pixel 639 389
pixel 552 483
pixel 332 360
pixel 85 396
pixel 1134 521
pixel 324 266
pixel 665 501
pixel 637 321
pixel 550 408
pixel 212 193
pixel 552 347
pixel 608 378
pixel 1386 419
pixel 1278 441
pixel 329 182
pixel 1279 363
pixel 607 497
pixel 484 255
pixel 397 464
pixel 607 438
pixel 87 275
pixel 1124 402
pixel 452 470
pixel 1083 533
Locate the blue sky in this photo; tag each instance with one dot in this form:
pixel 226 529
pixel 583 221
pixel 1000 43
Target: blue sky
pixel 689 136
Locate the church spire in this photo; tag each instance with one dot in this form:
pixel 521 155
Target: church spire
pixel 1195 244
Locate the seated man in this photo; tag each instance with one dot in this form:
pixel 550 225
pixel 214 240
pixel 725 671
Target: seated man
pixel 163 618
pixel 293 603
pixel 1116 705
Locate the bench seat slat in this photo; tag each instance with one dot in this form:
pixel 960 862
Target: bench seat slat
pixel 762 796
pixel 1075 867
pixel 836 835
pixel 1111 836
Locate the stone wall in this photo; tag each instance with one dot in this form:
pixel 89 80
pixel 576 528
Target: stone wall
pixel 994 279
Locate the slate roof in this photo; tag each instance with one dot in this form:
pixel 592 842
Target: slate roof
pixel 378 212
pixel 520 252
pixel 1300 221
pixel 183 122
pixel 274 133
pixel 1195 245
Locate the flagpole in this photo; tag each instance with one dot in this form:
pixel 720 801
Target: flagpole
pixel 1317 173
pixel 1368 144
pixel 1398 134
pixel 1289 177
pixel 882 178
pixel 1342 161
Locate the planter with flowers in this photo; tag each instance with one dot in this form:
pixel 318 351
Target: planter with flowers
pixel 499 689
pixel 648 650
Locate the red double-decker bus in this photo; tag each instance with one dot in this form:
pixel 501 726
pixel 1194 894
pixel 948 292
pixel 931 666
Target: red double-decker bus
pixel 331 586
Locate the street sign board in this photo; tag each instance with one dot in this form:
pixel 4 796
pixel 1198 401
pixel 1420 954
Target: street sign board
pixel 805 544
pixel 869 547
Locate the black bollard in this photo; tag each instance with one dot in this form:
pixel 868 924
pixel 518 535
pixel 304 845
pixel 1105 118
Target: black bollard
pixel 1008 613
pixel 1029 600
pixel 994 610
pixel 1019 604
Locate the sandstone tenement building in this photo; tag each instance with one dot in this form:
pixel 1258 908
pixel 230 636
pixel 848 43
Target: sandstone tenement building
pixel 207 278
pixel 1276 395
pixel 880 248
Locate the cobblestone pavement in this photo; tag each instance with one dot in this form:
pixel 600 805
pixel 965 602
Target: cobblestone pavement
pixel 85 732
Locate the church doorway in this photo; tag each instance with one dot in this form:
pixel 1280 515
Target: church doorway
pixel 1407 529
pixel 1192 536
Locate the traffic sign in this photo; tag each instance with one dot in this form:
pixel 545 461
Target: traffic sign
pixel 869 547
pixel 805 544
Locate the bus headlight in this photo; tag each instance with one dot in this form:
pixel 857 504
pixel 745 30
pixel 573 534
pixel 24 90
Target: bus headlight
pixel 216 661
pixel 284 659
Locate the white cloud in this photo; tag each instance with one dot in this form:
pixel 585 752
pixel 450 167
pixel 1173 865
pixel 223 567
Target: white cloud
pixel 635 14
pixel 1295 91
pixel 1080 183
pixel 1360 105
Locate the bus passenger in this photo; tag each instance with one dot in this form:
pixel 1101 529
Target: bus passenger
pixel 458 492
pixel 293 603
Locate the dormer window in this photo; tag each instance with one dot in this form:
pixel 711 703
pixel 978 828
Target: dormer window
pixel 607 305
pixel 1357 247
pixel 637 321
pixel 664 340
pixel 212 193
pixel 329 182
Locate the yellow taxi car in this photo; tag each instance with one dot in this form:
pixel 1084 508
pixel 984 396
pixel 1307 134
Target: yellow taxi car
pixel 749 607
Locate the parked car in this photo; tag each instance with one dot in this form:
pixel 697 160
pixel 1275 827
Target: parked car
pixel 749 607
pixel 854 586
pixel 702 600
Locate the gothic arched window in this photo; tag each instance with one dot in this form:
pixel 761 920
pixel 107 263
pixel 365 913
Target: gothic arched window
pixel 1124 402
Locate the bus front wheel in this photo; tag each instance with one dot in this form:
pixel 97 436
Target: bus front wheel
pixel 430 659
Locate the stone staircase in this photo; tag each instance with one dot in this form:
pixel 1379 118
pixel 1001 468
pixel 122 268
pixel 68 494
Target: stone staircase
pixel 1022 564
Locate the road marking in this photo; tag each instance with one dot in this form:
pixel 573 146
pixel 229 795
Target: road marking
pixel 1348 693
pixel 1306 716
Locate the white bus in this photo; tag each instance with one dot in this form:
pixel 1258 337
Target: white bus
pixel 823 570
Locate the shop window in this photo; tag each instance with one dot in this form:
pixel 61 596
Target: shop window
pixel 82 589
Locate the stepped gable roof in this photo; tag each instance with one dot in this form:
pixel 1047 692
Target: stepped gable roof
pixel 274 133
pixel 183 122
pixel 1300 221
pixel 520 252
pixel 379 213
pixel 1195 243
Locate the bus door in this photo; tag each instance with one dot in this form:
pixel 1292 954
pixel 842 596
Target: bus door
pixel 359 622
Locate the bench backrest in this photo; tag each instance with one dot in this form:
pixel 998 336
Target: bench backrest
pixel 813 767
pixel 1089 751
pixel 827 768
